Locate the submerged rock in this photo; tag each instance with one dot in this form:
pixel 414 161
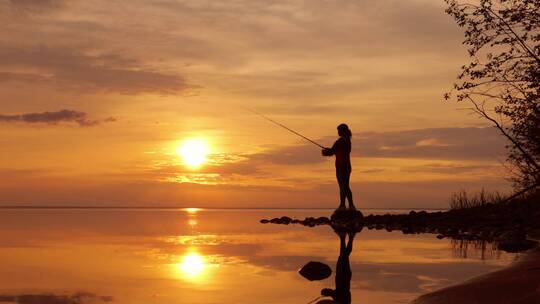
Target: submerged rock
pixel 517 246
pixel 315 271
pixel 514 241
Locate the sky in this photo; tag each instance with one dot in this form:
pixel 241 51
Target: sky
pixel 98 98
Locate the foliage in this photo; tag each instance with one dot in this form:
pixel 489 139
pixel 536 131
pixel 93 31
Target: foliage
pixel 502 80
pixel 462 200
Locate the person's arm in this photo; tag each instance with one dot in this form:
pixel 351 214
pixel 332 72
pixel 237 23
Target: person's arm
pixel 327 152
pixel 331 151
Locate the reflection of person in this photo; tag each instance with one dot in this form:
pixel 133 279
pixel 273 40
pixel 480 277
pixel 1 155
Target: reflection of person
pixel 342 150
pixel 342 293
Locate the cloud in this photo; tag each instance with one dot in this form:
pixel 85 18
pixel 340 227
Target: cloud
pixel 433 143
pixel 35 5
pixel 449 168
pixel 77 298
pixel 75 69
pixel 80 118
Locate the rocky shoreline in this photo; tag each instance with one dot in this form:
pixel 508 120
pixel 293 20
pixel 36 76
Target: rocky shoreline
pixel 511 226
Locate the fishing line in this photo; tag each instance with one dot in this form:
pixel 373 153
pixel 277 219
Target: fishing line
pixel 284 127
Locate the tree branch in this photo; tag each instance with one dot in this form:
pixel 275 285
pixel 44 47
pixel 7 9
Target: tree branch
pixel 516 144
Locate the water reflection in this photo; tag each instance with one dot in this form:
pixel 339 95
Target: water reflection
pixel 192 223
pixel 192 266
pixel 342 292
pixel 479 249
pixel 226 257
pixel 192 210
pixel 343 274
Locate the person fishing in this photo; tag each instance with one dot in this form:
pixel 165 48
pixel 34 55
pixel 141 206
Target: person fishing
pixel 342 150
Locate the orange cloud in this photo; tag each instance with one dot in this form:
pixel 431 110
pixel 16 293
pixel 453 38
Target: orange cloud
pixel 80 118
pixel 72 68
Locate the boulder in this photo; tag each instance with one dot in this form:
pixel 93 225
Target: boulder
pixel 347 215
pixel 315 271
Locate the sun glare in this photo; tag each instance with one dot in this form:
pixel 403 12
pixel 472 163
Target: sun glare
pixel 192 210
pixel 193 152
pixel 192 265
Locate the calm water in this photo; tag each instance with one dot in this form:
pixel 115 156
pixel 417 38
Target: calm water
pixel 214 256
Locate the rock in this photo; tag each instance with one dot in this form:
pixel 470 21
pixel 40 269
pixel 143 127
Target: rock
pixel 347 215
pixel 534 234
pixel 440 236
pixel 322 220
pixel 315 271
pixel 514 246
pixel 514 241
pixel 489 222
pixel 285 220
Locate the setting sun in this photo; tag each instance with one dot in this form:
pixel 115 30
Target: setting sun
pixel 193 152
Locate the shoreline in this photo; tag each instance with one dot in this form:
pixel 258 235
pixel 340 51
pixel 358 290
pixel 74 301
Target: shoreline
pixel 511 226
pixel 519 283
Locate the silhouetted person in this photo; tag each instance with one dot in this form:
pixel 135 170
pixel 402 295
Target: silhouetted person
pixel 342 150
pixel 342 293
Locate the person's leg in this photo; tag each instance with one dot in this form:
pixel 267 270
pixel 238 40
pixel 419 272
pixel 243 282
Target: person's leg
pixel 342 193
pixel 342 246
pixel 350 242
pixel 348 192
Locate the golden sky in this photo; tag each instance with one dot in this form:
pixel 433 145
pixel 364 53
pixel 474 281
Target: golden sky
pixel 98 97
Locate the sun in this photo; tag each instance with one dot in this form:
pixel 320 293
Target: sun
pixel 194 152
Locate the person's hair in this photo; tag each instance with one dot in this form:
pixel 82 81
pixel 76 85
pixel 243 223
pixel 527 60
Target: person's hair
pixel 345 130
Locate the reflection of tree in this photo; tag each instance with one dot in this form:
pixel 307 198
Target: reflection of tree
pixel 342 293
pixel 477 248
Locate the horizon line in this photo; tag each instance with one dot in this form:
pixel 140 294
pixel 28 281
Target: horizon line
pixel 201 208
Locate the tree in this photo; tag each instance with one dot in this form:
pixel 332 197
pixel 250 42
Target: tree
pixel 502 80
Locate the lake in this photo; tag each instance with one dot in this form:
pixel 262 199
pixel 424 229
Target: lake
pixel 214 256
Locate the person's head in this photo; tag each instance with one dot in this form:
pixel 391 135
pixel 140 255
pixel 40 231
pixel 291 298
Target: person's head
pixel 344 131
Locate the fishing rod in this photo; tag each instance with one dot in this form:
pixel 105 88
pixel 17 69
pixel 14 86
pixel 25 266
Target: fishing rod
pixel 284 127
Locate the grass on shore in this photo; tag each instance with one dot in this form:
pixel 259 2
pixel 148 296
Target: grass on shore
pixel 464 200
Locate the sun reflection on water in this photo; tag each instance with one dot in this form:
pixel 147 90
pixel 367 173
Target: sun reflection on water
pixel 192 210
pixel 192 266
